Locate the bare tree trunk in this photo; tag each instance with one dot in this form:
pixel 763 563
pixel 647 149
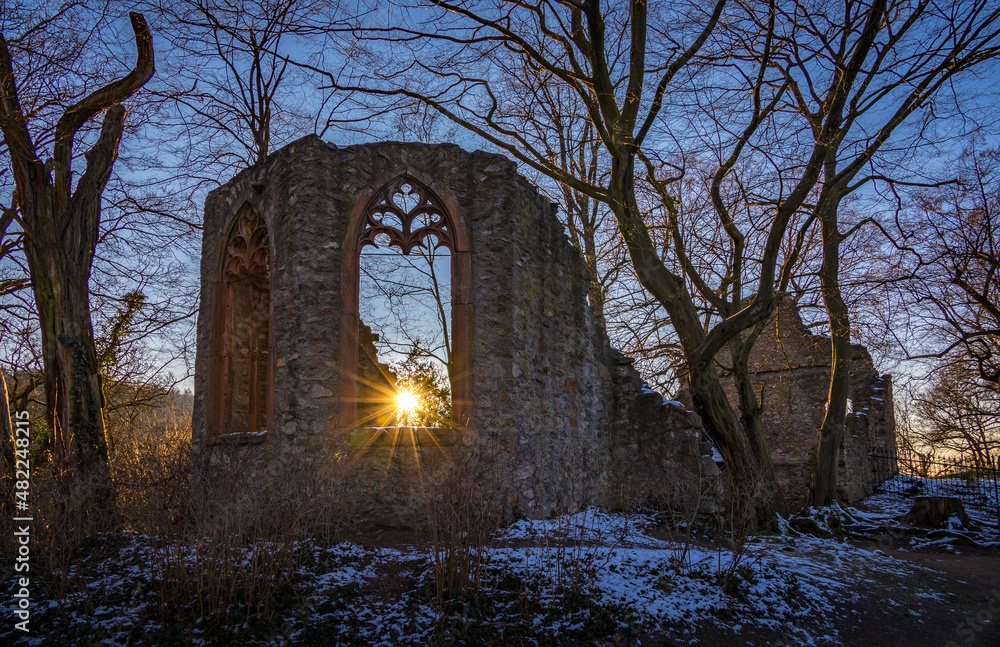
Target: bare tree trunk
pixel 751 417
pixel 61 230
pixel 581 209
pixel 72 380
pixel 744 449
pixel 823 488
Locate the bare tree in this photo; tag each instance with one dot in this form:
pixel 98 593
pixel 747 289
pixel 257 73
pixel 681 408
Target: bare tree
pixel 60 216
pixel 406 299
pixel 7 446
pixel 891 60
pixel 949 295
pixel 961 414
pixel 816 94
pixel 856 73
pixel 62 51
pixel 607 76
pixel 953 291
pixel 231 97
pixel 554 125
pixel 10 244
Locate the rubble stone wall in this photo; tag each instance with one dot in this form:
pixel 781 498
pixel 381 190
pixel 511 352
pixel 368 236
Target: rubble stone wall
pixel 791 371
pixel 660 454
pixel 548 393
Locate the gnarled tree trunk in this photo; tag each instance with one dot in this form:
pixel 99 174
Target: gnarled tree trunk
pixel 61 230
pixel 745 449
pixel 824 482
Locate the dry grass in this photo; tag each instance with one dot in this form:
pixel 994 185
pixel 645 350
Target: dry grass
pixel 227 550
pixel 462 514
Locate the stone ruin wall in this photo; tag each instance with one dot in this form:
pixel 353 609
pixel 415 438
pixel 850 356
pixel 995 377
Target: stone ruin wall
pixel 565 419
pixel 791 368
pixel 374 377
pixel 660 453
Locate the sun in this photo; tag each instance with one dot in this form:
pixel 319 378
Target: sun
pixel 407 402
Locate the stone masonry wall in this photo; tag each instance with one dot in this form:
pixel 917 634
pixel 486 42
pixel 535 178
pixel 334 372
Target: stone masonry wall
pixel 658 453
pixel 791 369
pixel 548 393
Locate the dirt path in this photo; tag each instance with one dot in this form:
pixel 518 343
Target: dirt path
pixel 973 566
pixel 956 603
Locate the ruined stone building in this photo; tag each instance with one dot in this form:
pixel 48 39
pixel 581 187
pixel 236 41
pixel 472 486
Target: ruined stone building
pixel 791 371
pixel 286 377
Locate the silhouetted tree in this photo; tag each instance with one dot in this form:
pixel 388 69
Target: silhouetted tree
pixel 60 215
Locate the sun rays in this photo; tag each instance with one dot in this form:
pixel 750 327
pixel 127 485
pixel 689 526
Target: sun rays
pixel 408 404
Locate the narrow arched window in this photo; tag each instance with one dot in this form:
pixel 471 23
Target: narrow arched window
pixel 244 343
pixel 410 268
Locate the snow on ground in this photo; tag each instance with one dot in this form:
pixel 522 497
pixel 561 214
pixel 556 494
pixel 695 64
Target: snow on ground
pixel 775 581
pixel 880 515
pixel 576 577
pixel 980 497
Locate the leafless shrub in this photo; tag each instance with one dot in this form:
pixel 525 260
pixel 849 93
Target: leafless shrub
pixel 463 515
pixel 742 499
pixel 225 564
pixel 64 522
pixel 151 468
pixel 684 496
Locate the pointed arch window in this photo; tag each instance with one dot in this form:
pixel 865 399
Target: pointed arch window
pixel 243 330
pixel 403 215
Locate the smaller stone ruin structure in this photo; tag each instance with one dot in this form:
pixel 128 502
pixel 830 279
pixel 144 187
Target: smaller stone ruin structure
pixel 791 368
pixel 287 386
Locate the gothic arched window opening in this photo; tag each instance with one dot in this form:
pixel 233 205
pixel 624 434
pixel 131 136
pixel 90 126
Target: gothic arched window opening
pixel 406 358
pixel 244 333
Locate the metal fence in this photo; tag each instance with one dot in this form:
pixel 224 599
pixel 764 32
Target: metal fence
pixel 915 475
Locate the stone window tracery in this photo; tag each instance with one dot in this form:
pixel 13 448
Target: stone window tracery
pixel 404 215
pixel 247 250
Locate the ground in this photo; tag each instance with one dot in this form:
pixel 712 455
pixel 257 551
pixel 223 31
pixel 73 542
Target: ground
pixel 836 576
pixel 948 600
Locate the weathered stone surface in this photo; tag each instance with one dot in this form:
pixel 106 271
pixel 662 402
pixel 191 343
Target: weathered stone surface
pixel 657 450
pixel 566 416
pixel 791 370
